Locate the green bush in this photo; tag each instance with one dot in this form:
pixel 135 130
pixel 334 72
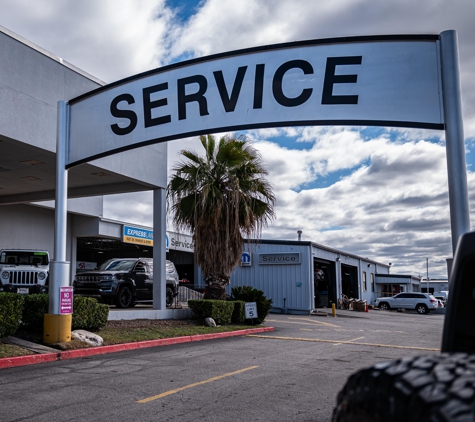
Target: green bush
pixel 239 312
pixel 34 309
pixel 249 294
pixel 11 308
pixel 220 310
pixel 88 314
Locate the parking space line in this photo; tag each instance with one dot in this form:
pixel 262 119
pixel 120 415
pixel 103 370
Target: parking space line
pixel 349 341
pixel 390 346
pixel 196 384
pixel 326 324
pixel 312 322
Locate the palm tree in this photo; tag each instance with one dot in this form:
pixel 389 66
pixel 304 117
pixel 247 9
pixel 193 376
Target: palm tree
pixel 220 197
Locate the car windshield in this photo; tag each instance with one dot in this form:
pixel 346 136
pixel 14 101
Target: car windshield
pixel 24 258
pixel 117 265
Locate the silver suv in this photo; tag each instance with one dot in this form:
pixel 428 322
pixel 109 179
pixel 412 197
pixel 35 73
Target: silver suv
pixel 423 303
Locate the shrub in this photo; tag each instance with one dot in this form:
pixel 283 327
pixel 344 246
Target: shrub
pixel 34 309
pixel 239 312
pixel 249 294
pixel 88 314
pixel 11 308
pixel 220 310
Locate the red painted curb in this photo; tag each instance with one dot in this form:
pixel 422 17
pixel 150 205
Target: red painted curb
pixel 93 351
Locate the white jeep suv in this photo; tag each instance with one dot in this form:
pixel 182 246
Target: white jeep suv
pixel 423 303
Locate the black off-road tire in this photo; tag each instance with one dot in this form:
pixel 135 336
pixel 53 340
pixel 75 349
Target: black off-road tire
pixel 125 298
pixel 169 297
pixel 433 388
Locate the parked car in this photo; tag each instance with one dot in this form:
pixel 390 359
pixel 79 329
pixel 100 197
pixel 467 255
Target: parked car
pixel 24 271
pixel 125 281
pixel 423 303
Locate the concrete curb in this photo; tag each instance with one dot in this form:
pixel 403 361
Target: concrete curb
pixel 101 350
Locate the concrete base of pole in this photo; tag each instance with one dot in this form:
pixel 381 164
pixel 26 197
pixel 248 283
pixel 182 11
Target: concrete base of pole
pixel 57 328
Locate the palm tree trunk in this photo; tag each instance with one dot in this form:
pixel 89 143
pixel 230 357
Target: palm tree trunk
pixel 216 286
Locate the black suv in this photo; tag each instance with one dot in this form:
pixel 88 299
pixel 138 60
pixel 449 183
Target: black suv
pixel 124 281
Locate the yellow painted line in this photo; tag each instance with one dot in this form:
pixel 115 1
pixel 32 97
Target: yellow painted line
pixel 196 384
pixel 313 321
pixel 390 346
pixel 358 338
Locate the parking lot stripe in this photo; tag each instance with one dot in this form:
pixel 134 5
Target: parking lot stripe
pixel 315 340
pixel 312 322
pixel 196 384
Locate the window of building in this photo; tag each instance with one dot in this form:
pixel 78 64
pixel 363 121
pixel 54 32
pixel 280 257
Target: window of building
pixel 372 282
pixel 364 281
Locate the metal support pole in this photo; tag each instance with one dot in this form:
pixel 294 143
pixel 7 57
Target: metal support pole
pixel 57 327
pixel 59 266
pixel 454 138
pixel 159 250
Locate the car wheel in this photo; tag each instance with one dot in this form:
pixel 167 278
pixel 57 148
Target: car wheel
pixel 384 306
pixel 422 309
pixel 125 298
pixel 421 388
pixel 169 299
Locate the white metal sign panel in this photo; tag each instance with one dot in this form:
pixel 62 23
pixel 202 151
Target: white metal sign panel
pixel 379 81
pixel 250 309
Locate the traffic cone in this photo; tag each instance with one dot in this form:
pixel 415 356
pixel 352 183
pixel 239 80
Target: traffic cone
pixel 366 309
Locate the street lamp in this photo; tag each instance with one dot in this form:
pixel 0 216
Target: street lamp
pixel 427 278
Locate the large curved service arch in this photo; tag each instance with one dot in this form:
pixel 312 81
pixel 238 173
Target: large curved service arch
pixel 376 80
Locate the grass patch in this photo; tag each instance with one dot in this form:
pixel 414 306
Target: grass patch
pixel 118 332
pixel 10 351
pixel 130 335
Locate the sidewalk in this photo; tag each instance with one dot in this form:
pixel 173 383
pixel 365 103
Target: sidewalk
pixel 48 356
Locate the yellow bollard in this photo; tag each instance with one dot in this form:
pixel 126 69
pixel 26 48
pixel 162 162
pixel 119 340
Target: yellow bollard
pixel 333 310
pixel 57 328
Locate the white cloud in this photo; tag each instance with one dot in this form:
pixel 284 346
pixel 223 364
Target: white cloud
pixel 111 39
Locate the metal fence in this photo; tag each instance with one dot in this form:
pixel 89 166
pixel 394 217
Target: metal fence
pixel 185 294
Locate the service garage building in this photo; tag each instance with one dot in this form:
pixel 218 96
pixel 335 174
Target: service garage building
pixel 300 276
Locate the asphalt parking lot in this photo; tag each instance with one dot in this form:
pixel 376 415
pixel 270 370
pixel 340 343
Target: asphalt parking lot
pixel 291 374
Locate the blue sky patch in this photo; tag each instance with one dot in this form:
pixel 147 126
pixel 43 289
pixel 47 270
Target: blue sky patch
pixel 184 9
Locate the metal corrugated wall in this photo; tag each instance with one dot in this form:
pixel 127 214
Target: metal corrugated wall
pixel 294 282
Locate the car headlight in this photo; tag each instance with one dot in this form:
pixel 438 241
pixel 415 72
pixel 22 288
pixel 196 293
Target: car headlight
pixel 41 276
pixel 5 275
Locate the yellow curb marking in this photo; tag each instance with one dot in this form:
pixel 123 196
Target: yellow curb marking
pixel 196 384
pixel 390 346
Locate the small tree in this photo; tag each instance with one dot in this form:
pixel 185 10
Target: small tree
pixel 220 197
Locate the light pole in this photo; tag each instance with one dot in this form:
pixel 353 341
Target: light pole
pixel 427 278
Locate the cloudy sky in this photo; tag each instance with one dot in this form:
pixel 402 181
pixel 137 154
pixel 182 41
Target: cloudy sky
pixel 377 192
